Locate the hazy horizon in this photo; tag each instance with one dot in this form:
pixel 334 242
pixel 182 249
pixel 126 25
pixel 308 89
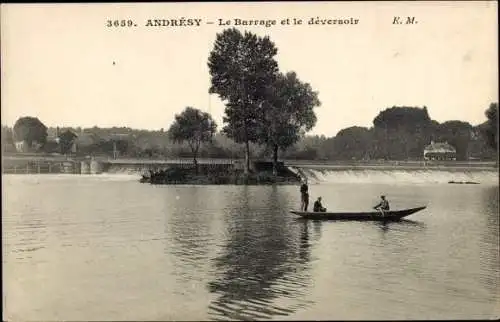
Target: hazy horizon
pixel 57 61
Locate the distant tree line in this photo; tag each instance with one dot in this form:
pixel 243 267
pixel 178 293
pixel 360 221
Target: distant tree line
pixel 402 133
pixel 398 133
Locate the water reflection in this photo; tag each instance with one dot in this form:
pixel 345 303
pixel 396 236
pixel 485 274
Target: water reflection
pixel 304 252
pixel 24 235
pixel 261 272
pixel 489 257
pixel 188 235
pixel 403 224
pixel 316 226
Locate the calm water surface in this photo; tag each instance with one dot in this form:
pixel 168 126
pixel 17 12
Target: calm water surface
pixel 110 248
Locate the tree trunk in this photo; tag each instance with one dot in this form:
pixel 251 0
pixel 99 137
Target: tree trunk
pixel 275 160
pixel 247 158
pixel 195 162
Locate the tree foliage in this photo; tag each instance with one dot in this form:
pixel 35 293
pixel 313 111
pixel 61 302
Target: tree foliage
pixel 353 143
pixel 30 130
pixel 491 127
pixel 402 117
pixel 7 139
pixel 193 127
pixel 242 69
pixel 458 134
pixel 288 114
pixel 66 140
pixel 401 132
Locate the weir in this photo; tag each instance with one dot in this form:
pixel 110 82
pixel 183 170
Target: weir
pixel 396 176
pixel 411 172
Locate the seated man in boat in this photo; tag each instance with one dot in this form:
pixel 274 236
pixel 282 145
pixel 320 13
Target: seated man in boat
pixel 383 205
pixel 318 207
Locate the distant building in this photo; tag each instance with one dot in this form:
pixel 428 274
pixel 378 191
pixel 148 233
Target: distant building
pixel 440 151
pixel 23 146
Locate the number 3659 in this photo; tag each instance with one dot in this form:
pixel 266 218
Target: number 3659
pixel 120 23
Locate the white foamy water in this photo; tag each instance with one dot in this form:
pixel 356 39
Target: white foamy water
pixel 398 176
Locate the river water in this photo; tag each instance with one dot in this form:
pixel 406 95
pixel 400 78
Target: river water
pixel 109 248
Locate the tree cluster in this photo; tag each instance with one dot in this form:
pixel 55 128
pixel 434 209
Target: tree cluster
pixel 193 127
pixel 263 105
pixel 358 143
pixel 402 133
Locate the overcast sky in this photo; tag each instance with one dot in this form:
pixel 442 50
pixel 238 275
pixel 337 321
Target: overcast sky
pixel 57 60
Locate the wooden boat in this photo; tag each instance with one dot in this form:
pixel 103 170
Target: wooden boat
pixel 373 215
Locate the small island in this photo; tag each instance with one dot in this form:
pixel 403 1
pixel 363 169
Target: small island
pixel 261 173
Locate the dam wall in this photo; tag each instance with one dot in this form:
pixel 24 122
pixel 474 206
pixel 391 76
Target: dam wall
pixel 397 176
pixel 316 171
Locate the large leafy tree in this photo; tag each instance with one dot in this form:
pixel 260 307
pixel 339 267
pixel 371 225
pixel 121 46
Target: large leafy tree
pixel 402 131
pixel 402 116
pixel 458 134
pixel 30 130
pixel 288 114
pixel 66 140
pixel 7 139
pixel 491 126
pixel 353 143
pixel 194 127
pixel 243 70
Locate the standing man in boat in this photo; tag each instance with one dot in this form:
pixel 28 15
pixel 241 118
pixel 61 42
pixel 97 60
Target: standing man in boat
pixel 304 195
pixel 383 205
pixel 318 207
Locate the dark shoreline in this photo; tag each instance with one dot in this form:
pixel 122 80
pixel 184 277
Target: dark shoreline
pixel 206 176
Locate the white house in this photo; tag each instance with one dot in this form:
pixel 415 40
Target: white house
pixel 440 151
pixel 23 146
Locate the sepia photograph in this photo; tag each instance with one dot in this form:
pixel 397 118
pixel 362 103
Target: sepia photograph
pixel 250 161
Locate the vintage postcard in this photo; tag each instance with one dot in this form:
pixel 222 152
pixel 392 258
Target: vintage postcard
pixel 250 161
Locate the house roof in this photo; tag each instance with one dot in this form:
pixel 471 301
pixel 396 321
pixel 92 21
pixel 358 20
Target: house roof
pixel 439 147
